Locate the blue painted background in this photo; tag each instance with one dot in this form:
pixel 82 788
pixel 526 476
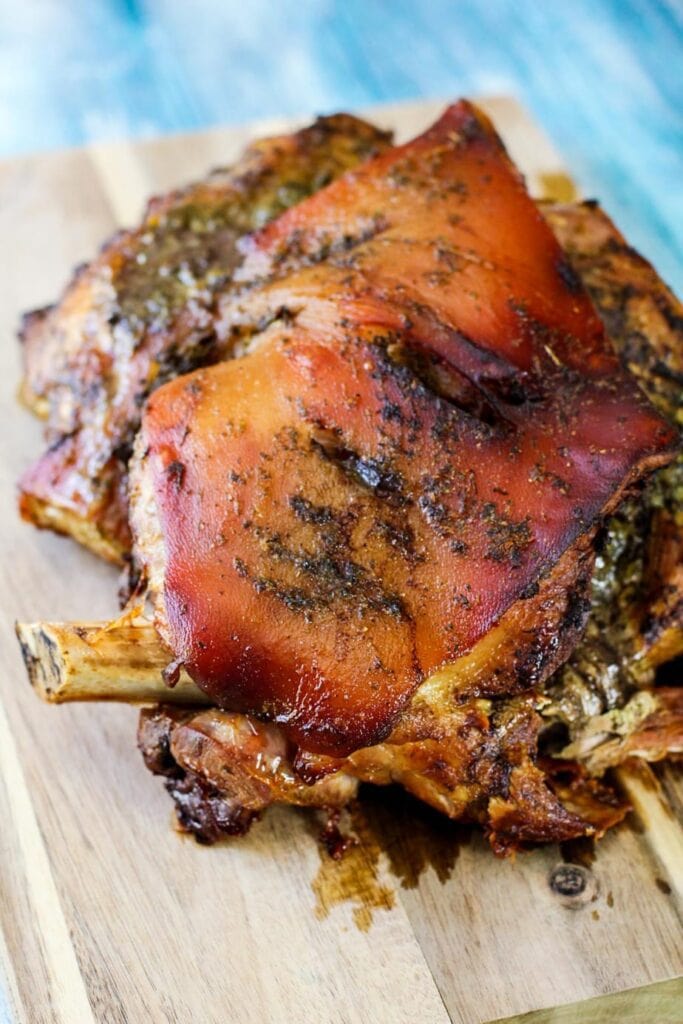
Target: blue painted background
pixel 605 77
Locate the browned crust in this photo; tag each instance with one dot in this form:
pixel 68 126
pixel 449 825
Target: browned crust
pixel 124 324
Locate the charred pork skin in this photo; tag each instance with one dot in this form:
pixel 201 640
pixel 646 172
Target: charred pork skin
pixel 142 312
pixel 418 446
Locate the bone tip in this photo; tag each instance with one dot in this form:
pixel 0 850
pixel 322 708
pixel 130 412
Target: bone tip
pixel 40 658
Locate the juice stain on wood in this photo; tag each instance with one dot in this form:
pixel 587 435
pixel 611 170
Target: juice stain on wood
pixel 392 829
pixel 354 878
pixel 412 835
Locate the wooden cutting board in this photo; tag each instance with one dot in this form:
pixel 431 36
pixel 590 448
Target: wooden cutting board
pixel 107 915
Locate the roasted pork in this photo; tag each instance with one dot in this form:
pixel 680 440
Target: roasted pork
pixel 371 539
pixel 143 312
pixel 407 466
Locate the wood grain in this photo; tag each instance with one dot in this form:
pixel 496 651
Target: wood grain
pixel 106 915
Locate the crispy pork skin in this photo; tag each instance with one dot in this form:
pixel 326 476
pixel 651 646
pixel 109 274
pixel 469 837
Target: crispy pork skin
pixel 143 311
pixel 428 417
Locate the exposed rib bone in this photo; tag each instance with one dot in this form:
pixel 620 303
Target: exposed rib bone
pixel 95 661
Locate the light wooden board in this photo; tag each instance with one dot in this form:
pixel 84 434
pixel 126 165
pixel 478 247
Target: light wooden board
pixel 106 915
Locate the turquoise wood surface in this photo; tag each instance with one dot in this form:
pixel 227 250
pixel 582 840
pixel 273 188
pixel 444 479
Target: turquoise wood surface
pixel 605 77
